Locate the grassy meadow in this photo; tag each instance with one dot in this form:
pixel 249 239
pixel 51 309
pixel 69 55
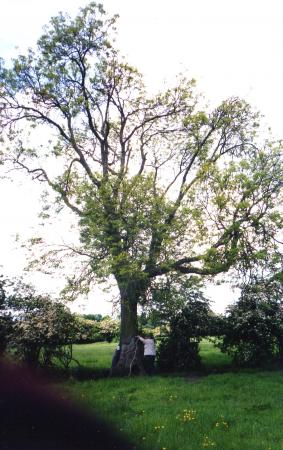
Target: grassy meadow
pixel 218 408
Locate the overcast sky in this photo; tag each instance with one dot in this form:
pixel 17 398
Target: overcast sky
pixel 232 48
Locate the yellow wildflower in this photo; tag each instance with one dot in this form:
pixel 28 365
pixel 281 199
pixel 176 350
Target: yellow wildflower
pixel 208 442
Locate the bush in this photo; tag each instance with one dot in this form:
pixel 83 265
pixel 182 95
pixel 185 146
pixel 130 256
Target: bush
pixel 97 329
pixel 35 328
pixel 178 354
pixel 88 331
pixel 108 329
pixel 44 333
pixel 179 348
pixel 253 331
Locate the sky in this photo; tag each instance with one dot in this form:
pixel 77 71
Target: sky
pixel 232 48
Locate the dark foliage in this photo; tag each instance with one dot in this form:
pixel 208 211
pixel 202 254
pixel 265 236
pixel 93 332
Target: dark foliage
pixel 93 317
pixel 5 318
pixel 179 348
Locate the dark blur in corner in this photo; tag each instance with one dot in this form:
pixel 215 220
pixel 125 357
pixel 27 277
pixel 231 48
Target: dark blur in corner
pixel 33 416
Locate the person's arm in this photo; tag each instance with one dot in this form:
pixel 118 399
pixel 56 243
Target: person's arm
pixel 141 339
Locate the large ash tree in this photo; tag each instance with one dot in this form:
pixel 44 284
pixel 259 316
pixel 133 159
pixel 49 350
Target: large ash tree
pixel 159 185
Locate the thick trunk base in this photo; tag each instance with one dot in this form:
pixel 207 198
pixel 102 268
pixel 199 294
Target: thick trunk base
pixel 130 361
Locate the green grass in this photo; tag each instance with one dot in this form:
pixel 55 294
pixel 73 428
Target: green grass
pixel 242 410
pixel 92 356
pixel 212 358
pixel 98 356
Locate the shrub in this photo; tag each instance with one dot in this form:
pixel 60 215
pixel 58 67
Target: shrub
pixel 88 331
pixel 178 354
pixel 253 331
pixel 44 332
pixel 179 348
pixel 108 329
pixel 35 328
pixel 104 329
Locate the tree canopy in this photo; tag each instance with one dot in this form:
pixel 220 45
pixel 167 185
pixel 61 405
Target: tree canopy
pixel 160 183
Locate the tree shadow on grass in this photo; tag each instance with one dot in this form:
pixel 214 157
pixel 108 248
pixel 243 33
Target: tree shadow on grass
pixel 195 375
pixel 82 373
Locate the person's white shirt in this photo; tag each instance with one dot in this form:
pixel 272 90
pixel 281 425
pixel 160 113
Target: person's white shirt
pixel 149 346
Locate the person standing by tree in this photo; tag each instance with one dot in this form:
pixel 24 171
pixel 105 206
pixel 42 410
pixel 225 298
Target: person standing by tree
pixel 149 353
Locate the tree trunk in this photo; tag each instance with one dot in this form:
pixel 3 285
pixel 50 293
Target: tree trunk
pixel 131 354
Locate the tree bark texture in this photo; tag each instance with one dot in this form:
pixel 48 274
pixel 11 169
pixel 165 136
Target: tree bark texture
pixel 131 359
pixel 131 355
pixel 130 291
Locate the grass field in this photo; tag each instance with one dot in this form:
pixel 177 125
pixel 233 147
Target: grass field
pixel 231 410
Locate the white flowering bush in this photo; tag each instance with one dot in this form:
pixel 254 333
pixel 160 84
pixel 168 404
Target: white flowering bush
pixel 104 329
pixel 108 329
pixel 88 331
pixel 253 330
pixel 35 328
pixel 44 333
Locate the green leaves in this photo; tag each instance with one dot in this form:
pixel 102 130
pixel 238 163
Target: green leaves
pixel 253 327
pixel 34 327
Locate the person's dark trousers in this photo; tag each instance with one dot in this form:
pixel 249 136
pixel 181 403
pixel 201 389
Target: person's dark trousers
pixel 149 364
